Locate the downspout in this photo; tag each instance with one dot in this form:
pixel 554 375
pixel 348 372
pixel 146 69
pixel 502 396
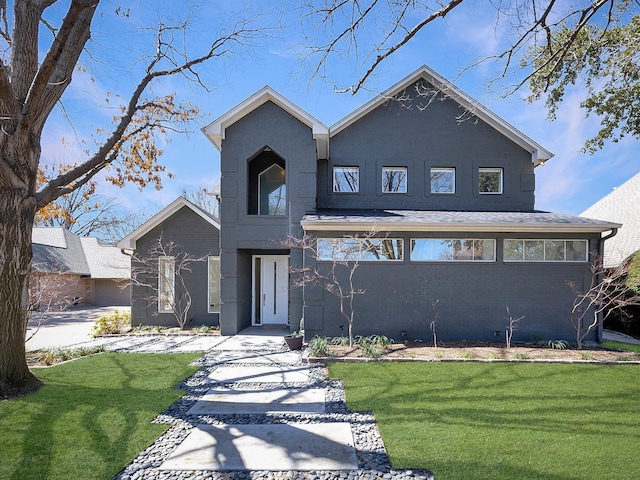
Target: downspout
pixel 614 232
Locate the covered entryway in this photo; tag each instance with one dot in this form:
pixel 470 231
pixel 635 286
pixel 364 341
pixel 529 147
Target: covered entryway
pixel 270 284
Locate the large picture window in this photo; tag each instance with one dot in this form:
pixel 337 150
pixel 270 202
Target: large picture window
pixel 394 180
pixel 214 284
pixel 346 179
pixel 517 250
pixel 272 191
pixel 360 249
pixel 443 180
pixel 166 284
pixel 490 180
pixel 453 250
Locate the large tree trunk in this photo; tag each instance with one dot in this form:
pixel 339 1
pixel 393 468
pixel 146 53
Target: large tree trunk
pixel 16 220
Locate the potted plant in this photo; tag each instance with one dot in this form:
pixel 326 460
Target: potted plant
pixel 294 339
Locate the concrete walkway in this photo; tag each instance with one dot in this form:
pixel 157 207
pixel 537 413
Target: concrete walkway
pixel 255 410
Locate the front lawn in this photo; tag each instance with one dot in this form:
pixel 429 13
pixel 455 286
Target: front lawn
pixel 91 418
pixel 501 420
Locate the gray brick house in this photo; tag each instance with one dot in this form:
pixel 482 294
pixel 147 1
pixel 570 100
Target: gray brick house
pixel 195 232
pixel 447 186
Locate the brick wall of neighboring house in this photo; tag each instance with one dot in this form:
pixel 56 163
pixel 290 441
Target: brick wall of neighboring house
pixel 52 289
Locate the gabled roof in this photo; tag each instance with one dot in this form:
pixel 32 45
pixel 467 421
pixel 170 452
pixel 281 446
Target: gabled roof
pixel 450 221
pixel 57 250
pixel 215 131
pixel 622 205
pixel 539 154
pixel 129 241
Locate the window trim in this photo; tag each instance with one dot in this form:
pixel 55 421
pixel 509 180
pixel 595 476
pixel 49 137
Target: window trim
pixel 345 167
pixel 360 260
pixel 171 284
pixel 216 308
pixel 442 169
pixel 454 260
pixel 499 170
pixel 544 251
pixel 396 169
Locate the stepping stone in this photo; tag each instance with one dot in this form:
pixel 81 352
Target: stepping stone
pixel 272 374
pixel 324 446
pixel 258 357
pixel 225 400
pixel 199 344
pixel 253 342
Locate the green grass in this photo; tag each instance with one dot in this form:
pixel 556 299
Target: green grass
pixel 91 418
pixel 503 421
pixel 629 347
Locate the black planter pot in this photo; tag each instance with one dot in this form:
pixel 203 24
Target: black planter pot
pixel 294 343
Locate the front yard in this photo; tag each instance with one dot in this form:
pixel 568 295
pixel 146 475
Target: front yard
pixel 502 420
pixel 92 417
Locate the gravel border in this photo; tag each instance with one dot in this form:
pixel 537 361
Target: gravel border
pixel 371 455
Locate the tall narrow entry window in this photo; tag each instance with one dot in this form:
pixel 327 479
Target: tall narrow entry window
pixel 214 284
pixel 166 284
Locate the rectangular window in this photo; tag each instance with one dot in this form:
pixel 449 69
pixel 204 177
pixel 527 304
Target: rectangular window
pixel 166 284
pixel 394 180
pixel 453 250
pixel 516 250
pixel 360 249
pixel 214 284
pixel 346 179
pixel 490 180
pixel 443 180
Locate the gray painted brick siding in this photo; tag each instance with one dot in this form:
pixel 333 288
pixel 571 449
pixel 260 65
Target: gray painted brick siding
pixel 472 296
pixel 195 235
pixel 399 135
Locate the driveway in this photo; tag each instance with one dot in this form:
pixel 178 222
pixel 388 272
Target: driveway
pixel 64 328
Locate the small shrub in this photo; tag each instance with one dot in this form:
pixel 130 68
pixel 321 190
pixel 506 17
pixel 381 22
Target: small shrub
pixel 586 356
pixel 205 329
pixel 147 329
pixel 342 341
pixel 55 355
pixel 522 356
pixel 114 322
pixel 558 344
pixel 319 347
pixel 370 350
pixel 379 340
pixel 495 356
pixel 624 358
pixel 467 355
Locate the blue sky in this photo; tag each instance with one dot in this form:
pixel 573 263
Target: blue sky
pixel 568 183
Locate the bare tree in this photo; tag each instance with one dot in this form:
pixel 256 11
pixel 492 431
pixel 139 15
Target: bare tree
pixel 163 271
pixel 544 45
pixel 41 48
pixel 607 292
pixel 202 197
pixel 339 259
pixel 512 326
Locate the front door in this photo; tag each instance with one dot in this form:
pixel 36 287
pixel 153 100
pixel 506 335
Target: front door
pixel 271 290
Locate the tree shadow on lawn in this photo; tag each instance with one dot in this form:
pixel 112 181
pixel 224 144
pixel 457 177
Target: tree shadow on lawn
pixel 502 414
pixel 93 430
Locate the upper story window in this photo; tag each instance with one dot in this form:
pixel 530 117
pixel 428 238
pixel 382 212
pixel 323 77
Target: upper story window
pixel 443 180
pixel 453 249
pixel 266 186
pixel 490 180
pixel 394 180
pixel 516 250
pixel 272 191
pixel 346 179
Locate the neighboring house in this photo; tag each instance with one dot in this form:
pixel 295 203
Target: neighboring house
pixel 193 231
pixel 69 269
pixel 446 183
pixel 622 205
